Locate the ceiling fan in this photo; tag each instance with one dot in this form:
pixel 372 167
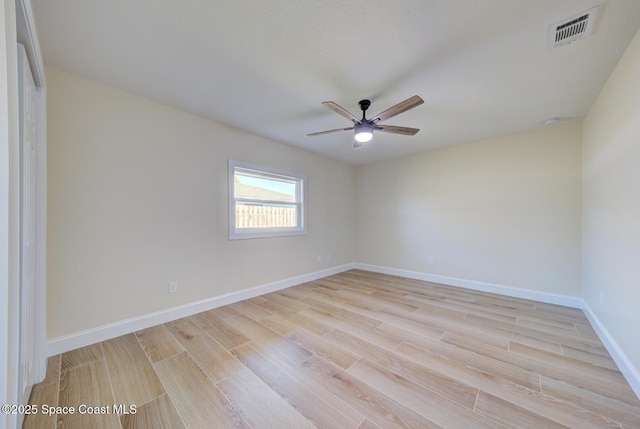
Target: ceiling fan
pixel 364 127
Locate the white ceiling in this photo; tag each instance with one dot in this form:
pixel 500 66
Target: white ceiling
pixel 482 66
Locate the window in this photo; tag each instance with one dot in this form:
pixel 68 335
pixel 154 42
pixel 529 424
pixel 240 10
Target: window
pixel 264 202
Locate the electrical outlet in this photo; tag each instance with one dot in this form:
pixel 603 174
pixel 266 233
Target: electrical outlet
pixel 432 260
pixel 601 297
pixel 173 287
pixel 319 259
pixel 329 258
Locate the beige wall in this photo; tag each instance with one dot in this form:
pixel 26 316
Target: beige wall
pixel 611 207
pixel 138 197
pixel 504 211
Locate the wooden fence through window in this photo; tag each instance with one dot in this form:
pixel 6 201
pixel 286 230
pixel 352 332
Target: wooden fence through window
pixel 258 216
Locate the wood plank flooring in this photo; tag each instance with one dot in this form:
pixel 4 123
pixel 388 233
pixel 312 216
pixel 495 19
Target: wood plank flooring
pixel 356 350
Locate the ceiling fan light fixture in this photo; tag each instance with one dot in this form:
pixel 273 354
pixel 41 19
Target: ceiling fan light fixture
pixel 363 133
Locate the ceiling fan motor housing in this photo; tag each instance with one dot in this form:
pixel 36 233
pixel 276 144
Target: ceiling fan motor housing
pixel 364 105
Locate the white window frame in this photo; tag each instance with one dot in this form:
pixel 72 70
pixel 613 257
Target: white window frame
pixel 267 172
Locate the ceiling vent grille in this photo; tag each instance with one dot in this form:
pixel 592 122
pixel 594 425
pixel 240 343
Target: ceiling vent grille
pixel 572 29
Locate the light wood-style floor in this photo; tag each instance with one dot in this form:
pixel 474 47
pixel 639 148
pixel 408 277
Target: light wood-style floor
pixel 355 350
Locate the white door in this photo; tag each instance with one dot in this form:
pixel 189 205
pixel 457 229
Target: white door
pixel 28 140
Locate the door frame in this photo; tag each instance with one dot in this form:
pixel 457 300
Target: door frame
pixel 18 24
pixel 27 35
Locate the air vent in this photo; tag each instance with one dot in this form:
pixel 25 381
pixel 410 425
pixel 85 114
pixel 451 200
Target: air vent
pixel 572 29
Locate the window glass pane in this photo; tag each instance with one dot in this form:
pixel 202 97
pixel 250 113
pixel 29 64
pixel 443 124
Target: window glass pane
pixel 251 215
pixel 263 188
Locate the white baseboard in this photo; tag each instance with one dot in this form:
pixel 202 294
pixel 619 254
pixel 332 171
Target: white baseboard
pixel 630 372
pixel 101 333
pixel 550 298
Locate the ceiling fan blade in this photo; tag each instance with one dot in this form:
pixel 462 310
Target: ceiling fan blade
pixel 341 111
pixel 397 130
pixel 329 131
pixel 403 106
